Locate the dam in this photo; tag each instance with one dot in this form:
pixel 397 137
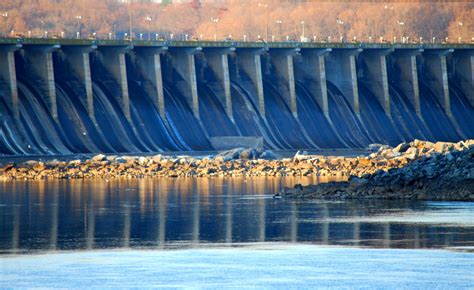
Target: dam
pixel 64 96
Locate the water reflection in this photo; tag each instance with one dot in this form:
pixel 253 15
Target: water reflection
pixel 162 213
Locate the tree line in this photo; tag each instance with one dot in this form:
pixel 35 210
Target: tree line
pixel 282 20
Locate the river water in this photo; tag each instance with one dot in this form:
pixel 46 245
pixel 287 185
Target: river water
pixel 214 232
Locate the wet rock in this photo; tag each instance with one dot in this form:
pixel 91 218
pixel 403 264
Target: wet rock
pixel 426 178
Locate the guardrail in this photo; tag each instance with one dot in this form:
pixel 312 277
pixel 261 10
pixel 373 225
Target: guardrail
pixel 237 44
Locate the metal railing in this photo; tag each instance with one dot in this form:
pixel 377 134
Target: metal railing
pixel 229 43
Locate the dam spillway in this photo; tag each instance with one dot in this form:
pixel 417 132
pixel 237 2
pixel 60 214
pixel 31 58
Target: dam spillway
pixel 61 96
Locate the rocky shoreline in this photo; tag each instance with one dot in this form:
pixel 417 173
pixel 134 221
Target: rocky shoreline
pixel 444 175
pixel 234 163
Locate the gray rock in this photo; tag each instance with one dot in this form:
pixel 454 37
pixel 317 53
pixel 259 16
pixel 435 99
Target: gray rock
pixel 402 147
pixel 268 155
pixel 250 153
pixel 230 154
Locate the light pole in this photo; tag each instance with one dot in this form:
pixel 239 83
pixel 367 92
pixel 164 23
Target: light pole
pixel 42 29
pixel 392 9
pixel 279 22
pixel 5 19
pixel 78 18
pixel 460 24
pixel 266 20
pixel 148 18
pixel 401 24
pixel 130 19
pixel 302 31
pixel 340 24
pixel 215 20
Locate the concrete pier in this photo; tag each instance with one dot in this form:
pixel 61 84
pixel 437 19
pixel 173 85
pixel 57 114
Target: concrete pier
pixel 374 72
pixel 310 69
pixel 39 61
pixel 184 62
pixel 250 62
pixel 282 60
pixel 78 59
pixel 436 76
pixel 463 64
pixel 404 64
pixel 113 59
pixel 148 61
pixel 218 60
pixel 341 70
pixel 8 77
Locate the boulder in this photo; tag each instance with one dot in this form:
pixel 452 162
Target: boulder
pixel 250 153
pixel 157 158
pixel 268 155
pixel 230 154
pixel 99 157
pixel 374 147
pixel 401 148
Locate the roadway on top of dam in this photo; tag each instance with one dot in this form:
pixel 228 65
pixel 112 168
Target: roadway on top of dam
pixel 226 44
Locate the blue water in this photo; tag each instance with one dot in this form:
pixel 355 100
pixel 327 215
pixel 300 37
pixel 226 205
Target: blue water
pixel 264 265
pixel 225 232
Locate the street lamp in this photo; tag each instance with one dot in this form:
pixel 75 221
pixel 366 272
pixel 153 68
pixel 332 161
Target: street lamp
pixel 302 31
pixel 130 19
pixel 401 23
pixel 78 18
pixel 5 19
pixel 266 16
pixel 215 20
pixel 392 9
pixel 42 29
pixel 279 22
pixel 148 18
pixel 340 24
pixel 460 24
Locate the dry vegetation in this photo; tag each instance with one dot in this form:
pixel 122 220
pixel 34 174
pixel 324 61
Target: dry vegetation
pixel 236 18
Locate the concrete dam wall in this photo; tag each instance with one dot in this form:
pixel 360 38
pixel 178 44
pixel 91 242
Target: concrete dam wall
pixel 63 97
